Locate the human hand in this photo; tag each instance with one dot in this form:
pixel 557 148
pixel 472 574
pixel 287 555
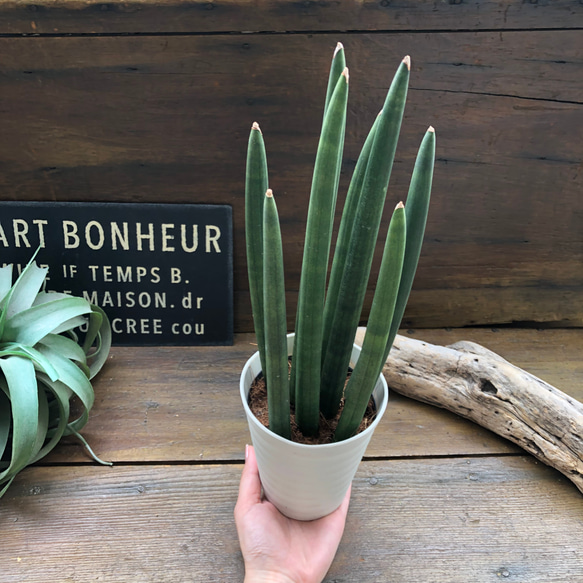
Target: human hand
pixel 279 549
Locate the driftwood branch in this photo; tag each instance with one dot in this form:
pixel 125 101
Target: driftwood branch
pixel 478 384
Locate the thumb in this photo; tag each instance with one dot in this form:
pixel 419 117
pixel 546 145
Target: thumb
pixel 250 485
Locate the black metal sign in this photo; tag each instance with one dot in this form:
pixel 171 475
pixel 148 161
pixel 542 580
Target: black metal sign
pixel 163 273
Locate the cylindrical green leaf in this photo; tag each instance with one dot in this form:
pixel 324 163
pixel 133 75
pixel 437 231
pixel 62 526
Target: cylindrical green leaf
pixel 362 244
pixel 344 234
pixel 366 371
pixel 276 360
pixel 308 340
pixel 416 209
pixel 256 184
pixel 336 69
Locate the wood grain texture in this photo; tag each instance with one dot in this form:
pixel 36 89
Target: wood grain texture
pixel 465 519
pixel 161 118
pixel 182 403
pixel 167 517
pixel 164 16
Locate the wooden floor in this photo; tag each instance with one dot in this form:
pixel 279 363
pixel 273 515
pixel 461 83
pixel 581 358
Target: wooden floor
pixel 436 500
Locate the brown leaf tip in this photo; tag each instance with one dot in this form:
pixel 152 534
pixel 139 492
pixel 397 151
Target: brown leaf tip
pixel 339 47
pixel 431 129
pixel 269 193
pixel 407 61
pixel 400 206
pixel 345 73
pixel 255 126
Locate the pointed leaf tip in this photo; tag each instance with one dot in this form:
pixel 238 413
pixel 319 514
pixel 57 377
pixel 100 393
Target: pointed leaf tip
pixel 400 206
pixel 431 129
pixel 345 73
pixel 269 193
pixel 339 47
pixel 407 61
pixel 255 126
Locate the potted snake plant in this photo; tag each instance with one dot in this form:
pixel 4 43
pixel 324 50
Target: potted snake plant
pixel 308 481
pixel 51 346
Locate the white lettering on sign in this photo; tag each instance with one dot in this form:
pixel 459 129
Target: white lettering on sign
pixel 128 299
pixel 136 326
pixel 115 236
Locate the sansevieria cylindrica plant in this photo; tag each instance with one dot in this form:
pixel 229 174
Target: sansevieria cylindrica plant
pixel 51 346
pixel 329 310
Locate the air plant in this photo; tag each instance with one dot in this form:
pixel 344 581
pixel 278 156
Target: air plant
pixel 46 362
pixel 328 315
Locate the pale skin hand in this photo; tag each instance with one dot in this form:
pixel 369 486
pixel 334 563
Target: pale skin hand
pixel 279 549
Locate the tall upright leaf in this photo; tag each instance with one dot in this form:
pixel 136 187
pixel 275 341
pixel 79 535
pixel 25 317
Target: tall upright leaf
pixel 256 185
pixel 276 361
pixel 416 209
pixel 366 371
pixel 363 239
pixel 308 340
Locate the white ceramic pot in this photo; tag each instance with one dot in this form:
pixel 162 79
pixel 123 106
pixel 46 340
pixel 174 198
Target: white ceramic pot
pixel 306 482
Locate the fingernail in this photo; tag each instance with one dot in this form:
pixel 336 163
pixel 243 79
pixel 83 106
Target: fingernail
pixel 246 451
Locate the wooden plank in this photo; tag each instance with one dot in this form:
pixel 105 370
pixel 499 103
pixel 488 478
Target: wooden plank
pixel 466 519
pixel 182 403
pixel 161 118
pixel 163 16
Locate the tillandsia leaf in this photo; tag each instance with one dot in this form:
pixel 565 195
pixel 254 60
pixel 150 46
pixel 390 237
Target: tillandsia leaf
pixel 256 185
pixel 308 339
pixel 344 234
pixel 62 396
pixel 21 385
pixel 5 421
pixel 43 420
pixel 64 346
pixel 40 361
pixel 366 371
pixel 5 282
pixel 83 441
pixel 67 325
pixel 23 281
pixel 362 244
pixel 70 375
pixel 25 289
pixel 416 209
pixel 97 350
pixel 93 327
pixel 276 371
pixel 33 324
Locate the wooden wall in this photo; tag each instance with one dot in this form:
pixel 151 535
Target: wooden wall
pixel 153 101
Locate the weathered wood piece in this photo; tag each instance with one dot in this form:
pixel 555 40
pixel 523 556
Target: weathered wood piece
pixel 478 384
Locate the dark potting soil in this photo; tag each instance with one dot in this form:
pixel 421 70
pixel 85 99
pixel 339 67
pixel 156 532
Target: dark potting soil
pixel 258 405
